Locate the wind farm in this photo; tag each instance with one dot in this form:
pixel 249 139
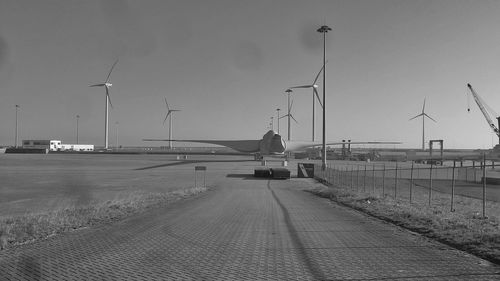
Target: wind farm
pixel 394 180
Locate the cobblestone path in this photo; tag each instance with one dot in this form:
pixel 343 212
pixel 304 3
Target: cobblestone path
pixel 244 229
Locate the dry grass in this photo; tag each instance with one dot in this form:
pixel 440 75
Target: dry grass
pixel 465 228
pixel 30 227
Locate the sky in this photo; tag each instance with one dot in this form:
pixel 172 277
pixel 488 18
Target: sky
pixel 227 63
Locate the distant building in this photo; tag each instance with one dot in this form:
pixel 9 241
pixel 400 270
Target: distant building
pixel 51 145
pixel 77 147
pixel 56 145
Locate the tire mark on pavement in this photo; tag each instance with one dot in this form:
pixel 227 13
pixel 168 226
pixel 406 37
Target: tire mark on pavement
pixel 313 268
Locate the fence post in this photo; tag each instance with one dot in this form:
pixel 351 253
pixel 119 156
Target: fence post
pixel 364 180
pixel 430 184
pixel 453 187
pixel 383 182
pixel 411 182
pixel 352 171
pixel 373 179
pixel 474 168
pixel 484 185
pixel 396 181
pixel 357 179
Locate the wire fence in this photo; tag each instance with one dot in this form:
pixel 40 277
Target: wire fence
pixel 415 183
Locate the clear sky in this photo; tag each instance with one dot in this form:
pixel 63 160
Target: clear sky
pixel 226 65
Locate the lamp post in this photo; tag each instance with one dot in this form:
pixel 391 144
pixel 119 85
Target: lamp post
pixel 116 134
pixel 278 110
pixel 324 29
pixel 289 91
pixel 77 119
pixel 17 108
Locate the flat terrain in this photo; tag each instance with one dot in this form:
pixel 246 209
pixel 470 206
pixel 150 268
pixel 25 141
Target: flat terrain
pixel 31 183
pixel 242 229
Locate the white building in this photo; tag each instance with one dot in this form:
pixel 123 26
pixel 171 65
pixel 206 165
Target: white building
pixel 77 147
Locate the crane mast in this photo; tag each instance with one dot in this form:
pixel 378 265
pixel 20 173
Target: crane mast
pixel 480 103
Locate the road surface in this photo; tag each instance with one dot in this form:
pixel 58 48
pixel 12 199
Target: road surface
pixel 244 229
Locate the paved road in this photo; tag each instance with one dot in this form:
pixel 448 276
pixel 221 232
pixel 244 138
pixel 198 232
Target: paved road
pixel 244 229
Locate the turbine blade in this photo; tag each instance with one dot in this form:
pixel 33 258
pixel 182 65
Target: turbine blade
pixel 166 103
pixel 317 76
pixel 290 108
pixel 109 97
pixel 97 85
pixel 109 74
pixel 166 116
pixel 317 96
pixel 425 114
pixel 416 117
pixel 302 87
pixel 291 116
pixel 423 107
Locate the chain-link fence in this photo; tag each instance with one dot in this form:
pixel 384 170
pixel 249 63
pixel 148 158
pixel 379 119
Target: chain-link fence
pixel 413 182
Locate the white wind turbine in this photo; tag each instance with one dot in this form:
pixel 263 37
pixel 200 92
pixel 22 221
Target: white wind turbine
pixel 314 96
pixel 106 85
pixel 423 114
pixel 289 114
pixel 169 113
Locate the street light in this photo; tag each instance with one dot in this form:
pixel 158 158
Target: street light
pixel 278 110
pixel 77 118
pixel 17 107
pixel 289 91
pixel 324 29
pixel 116 134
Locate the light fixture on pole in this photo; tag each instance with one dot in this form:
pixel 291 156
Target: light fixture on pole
pixel 77 119
pixel 324 29
pixel 17 108
pixel 289 91
pixel 116 134
pixel 278 110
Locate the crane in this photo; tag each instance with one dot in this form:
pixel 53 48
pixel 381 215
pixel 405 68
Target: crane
pixel 482 106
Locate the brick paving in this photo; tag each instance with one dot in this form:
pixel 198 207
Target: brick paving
pixel 244 229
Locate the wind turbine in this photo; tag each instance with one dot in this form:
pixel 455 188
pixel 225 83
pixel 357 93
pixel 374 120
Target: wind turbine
pixel 423 114
pixel 314 93
pixel 289 114
pixel 169 113
pixel 106 86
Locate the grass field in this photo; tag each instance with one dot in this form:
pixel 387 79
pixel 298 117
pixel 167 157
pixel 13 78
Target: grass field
pixel 43 194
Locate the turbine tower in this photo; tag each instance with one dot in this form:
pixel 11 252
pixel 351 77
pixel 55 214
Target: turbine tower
pixel 106 86
pixel 314 96
pixel 169 113
pixel 423 114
